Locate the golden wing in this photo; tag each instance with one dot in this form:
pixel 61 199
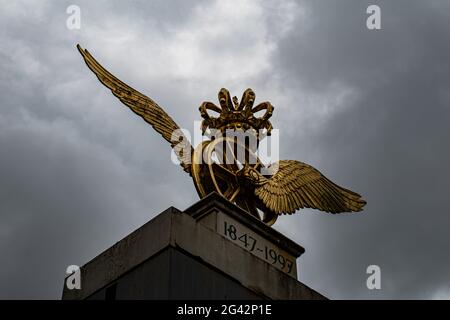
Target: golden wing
pixel 297 185
pixel 144 107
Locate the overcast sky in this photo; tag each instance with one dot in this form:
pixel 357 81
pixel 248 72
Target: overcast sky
pixel 370 109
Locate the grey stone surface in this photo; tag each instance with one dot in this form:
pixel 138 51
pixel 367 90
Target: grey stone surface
pixel 213 203
pixel 173 274
pixel 180 255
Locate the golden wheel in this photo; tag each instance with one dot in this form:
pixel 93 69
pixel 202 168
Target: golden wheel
pixel 218 165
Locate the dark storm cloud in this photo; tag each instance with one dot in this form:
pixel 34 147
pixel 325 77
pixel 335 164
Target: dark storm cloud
pixel 368 108
pixel 73 181
pixel 389 142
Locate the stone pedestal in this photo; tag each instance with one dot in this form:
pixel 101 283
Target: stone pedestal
pixel 212 250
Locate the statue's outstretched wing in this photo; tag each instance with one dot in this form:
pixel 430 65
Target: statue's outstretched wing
pixel 297 185
pixel 144 107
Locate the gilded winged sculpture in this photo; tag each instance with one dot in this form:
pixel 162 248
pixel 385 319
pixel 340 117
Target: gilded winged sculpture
pixel 293 185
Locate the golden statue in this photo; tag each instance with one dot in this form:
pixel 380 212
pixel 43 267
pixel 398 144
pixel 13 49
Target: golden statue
pixel 294 185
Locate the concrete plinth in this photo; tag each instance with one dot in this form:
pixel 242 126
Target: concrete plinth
pixel 212 250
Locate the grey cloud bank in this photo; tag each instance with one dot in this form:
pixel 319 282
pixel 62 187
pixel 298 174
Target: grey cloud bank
pixel 370 109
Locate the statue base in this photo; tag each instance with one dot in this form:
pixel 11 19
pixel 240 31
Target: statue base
pixel 212 250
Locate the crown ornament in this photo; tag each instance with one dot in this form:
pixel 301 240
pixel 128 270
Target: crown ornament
pixel 235 115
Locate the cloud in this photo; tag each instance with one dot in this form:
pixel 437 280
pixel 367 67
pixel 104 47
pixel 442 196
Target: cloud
pixel 370 109
pixel 383 139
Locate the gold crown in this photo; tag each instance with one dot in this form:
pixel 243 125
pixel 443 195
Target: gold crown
pixel 234 115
